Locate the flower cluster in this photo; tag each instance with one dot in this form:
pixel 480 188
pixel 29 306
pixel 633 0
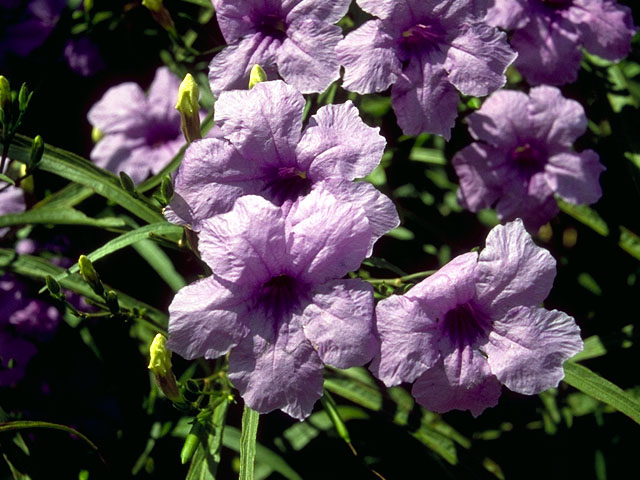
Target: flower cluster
pixel 549 34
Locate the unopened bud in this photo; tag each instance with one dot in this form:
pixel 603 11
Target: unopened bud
pixel 159 13
pixel 5 98
pixel 53 286
pixel 189 108
pixel 127 183
pixel 37 149
pixel 24 97
pixel 88 5
pixel 112 301
pixel 166 189
pixel 256 76
pixel 90 275
pixel 160 365
pixel 96 134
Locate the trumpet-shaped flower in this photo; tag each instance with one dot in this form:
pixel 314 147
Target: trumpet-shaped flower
pixel 549 34
pixel 524 156
pixel 141 132
pixel 265 152
pixel 477 324
pixel 428 50
pixel 293 38
pixel 276 299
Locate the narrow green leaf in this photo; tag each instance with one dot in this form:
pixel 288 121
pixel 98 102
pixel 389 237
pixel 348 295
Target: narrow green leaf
pixel 4 178
pixel 126 239
pixel 205 461
pixel 160 262
pixel 25 424
pixel 585 215
pixel 594 385
pixel 231 439
pixel 250 420
pixel 59 216
pixel 77 169
pixel 69 196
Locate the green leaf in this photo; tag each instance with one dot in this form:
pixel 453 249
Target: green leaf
pixel 594 385
pixel 160 262
pixel 24 424
pixel 69 196
pixel 204 464
pixel 77 169
pixel 250 419
pixel 59 216
pixel 586 215
pixel 9 180
pixel 126 239
pixel 231 439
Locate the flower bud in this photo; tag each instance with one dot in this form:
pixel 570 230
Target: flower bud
pixel 96 134
pixel 90 275
pixel 256 76
pixel 189 108
pixel 112 301
pixel 127 183
pixel 160 365
pixel 5 97
pixel 37 149
pixel 159 13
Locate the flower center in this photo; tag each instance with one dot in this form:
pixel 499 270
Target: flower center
pixel 272 25
pixel 528 159
pixel 465 324
pixel 426 35
pixel 279 297
pixel 286 183
pixel 157 134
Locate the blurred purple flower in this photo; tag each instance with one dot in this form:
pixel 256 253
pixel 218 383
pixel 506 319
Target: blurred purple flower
pixel 427 49
pixel 276 301
pixel 11 201
pixel 295 38
pixel 141 133
pixel 524 156
pixel 22 30
pixel 265 152
pixel 549 34
pixel 15 354
pixel 83 56
pixel 22 319
pixel 476 324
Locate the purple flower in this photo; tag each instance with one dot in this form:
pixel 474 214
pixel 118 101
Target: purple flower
pixel 265 152
pixel 15 354
pixel 22 319
pixel 524 156
pixel 276 300
pixel 141 133
pixel 22 313
pixel 427 49
pixel 25 29
pixel 476 324
pixel 549 34
pixel 293 38
pixel 83 56
pixel 11 201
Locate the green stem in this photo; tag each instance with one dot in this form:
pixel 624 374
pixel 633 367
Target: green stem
pixel 399 281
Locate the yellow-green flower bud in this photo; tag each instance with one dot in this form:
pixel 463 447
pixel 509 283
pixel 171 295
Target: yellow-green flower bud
pixel 160 365
pixel 5 96
pixel 90 275
pixel 88 5
pixel 256 76
pixel 153 5
pixel 96 135
pixel 160 14
pixel 189 108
